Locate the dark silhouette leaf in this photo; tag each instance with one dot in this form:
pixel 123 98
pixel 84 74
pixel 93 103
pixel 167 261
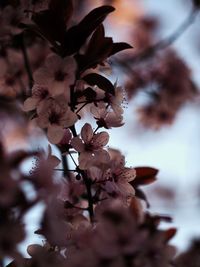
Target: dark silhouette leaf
pixel 90 94
pixel 144 176
pixel 98 49
pixel 169 234
pixel 141 195
pixel 77 35
pixel 117 47
pixel 100 81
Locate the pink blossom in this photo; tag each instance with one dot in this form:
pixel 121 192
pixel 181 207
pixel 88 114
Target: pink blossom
pixel 39 94
pixel 90 146
pixel 58 72
pixel 115 101
pixel 55 115
pixel 105 118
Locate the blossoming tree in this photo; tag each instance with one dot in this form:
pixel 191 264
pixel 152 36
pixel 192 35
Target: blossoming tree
pixel 52 73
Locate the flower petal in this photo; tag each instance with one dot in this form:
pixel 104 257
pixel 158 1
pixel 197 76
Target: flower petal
pixel 77 144
pixel 68 119
pixel 30 103
pixel 128 174
pixel 52 160
pixel 126 189
pixel 100 139
pixel 41 76
pixel 53 62
pixel 87 133
pixel 55 133
pixel 101 156
pixel 85 160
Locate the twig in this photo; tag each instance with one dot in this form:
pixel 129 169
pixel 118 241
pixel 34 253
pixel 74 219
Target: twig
pixel 27 64
pixel 73 160
pixel 81 107
pixel 57 169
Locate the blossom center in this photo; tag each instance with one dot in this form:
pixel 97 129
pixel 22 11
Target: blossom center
pixel 60 76
pixel 89 147
pixel 10 81
pixel 54 118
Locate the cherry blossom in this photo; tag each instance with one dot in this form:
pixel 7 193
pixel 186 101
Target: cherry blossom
pixel 105 118
pixel 39 94
pixel 60 74
pixel 90 146
pixel 115 101
pixel 55 115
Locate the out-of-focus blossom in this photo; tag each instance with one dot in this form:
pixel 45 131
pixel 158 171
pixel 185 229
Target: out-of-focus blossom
pixel 167 92
pixel 154 116
pixel 143 33
pixel 12 78
pixel 10 18
pixel 191 257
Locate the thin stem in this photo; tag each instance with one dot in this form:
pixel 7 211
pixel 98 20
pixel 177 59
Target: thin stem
pixel 90 101
pixel 27 64
pixel 73 160
pixel 66 172
pixel 57 169
pixel 65 166
pixel 96 129
pixel 88 184
pixel 73 129
pixel 82 107
pixel 86 180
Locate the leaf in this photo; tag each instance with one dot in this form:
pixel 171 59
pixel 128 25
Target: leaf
pixel 95 56
pixel 144 176
pixel 99 48
pixel 77 35
pixel 90 94
pixel 169 234
pixel 141 195
pixel 117 47
pixel 152 222
pixel 99 80
pixel 96 39
pixel 164 218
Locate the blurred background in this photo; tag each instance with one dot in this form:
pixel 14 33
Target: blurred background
pixel 168 141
